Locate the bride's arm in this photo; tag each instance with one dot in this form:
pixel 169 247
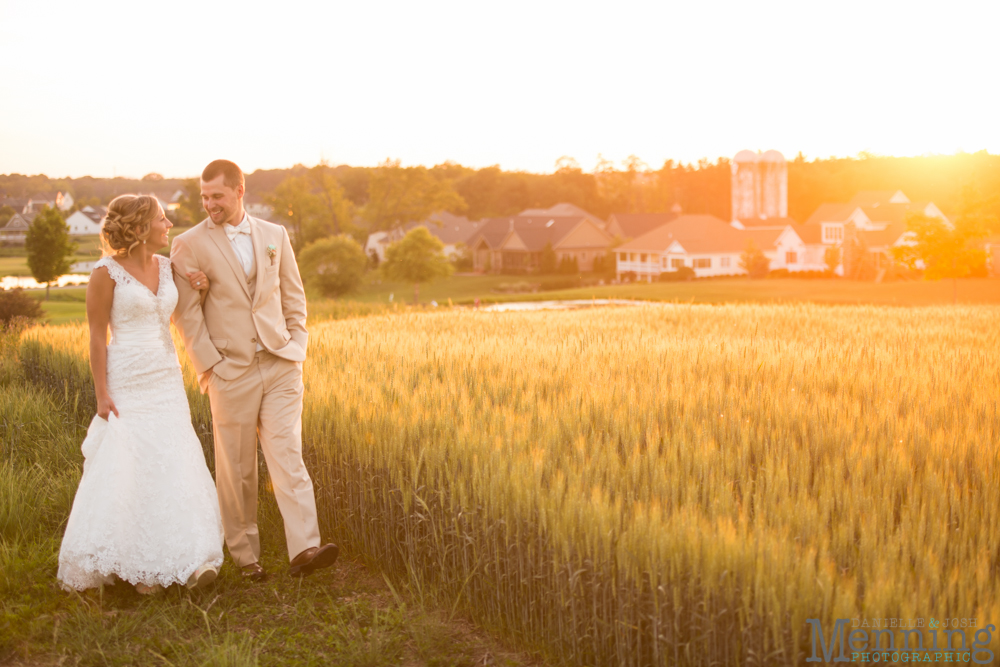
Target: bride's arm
pixel 100 295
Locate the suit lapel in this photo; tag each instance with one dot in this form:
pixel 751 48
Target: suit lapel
pixel 218 234
pixel 256 235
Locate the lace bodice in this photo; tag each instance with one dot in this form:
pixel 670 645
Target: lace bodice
pixel 139 317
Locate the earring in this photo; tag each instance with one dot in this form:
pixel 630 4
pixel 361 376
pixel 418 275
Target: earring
pixel 144 242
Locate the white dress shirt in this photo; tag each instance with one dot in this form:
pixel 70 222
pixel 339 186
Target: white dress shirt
pixel 239 238
pixel 242 242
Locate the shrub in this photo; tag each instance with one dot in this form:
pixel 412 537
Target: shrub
pixel 16 303
pixel 334 265
pixel 681 273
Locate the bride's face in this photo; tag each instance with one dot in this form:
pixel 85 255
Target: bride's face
pixel 159 231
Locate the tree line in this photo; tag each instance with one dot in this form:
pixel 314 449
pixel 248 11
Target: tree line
pixel 632 186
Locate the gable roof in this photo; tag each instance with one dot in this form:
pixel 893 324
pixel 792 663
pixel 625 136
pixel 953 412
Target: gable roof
pixel 695 233
pixel 534 231
pixel 870 197
pixel 767 223
pixel 634 225
pixel 95 213
pixel 562 210
pixel 832 213
pixel 810 232
pixel 451 228
pixel 17 222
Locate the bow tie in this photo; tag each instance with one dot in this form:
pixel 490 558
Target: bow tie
pixel 242 228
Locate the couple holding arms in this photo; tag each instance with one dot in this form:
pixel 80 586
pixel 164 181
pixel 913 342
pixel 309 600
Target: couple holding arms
pixel 146 510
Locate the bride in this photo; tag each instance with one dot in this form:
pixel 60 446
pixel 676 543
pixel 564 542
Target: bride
pixel 146 509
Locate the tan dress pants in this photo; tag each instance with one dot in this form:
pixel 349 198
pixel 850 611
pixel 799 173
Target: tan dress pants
pixel 265 401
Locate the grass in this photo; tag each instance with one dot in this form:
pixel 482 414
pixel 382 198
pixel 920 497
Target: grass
pixel 347 615
pixel 684 484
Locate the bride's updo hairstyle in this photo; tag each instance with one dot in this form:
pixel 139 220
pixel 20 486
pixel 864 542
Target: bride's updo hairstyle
pixel 127 223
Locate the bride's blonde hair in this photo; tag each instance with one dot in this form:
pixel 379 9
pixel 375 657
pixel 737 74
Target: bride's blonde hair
pixel 127 223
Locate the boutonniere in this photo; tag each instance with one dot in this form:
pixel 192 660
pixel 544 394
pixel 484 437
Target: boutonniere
pixel 271 252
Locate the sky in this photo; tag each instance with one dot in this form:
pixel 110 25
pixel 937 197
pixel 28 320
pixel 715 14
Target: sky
pixel 125 88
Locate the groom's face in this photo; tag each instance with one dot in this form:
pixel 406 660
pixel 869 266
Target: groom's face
pixel 223 204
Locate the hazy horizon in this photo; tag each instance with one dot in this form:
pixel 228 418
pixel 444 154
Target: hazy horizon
pixel 113 88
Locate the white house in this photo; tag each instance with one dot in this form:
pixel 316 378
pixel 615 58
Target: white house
pixel 60 200
pixel 256 207
pixel 86 221
pixel 707 245
pixel 878 218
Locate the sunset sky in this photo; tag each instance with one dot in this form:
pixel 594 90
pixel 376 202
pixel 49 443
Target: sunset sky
pixel 105 88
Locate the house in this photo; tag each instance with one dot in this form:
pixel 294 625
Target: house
pixel 450 229
pixel 877 219
pixel 86 221
pixel 516 243
pixel 16 203
pixel 633 225
pixel 59 200
pixel 16 229
pixel 563 210
pixel 256 207
pixel 708 245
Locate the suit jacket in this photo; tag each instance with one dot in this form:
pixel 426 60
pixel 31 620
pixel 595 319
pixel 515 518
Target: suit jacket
pixel 221 332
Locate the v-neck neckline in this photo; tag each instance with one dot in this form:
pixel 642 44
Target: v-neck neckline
pixel 159 278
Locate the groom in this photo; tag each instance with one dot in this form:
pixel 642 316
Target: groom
pixel 247 341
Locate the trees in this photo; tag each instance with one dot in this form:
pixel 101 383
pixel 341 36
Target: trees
pixel 548 261
pixel 333 265
pixel 190 211
pixel 398 195
pixel 48 246
pixel 314 205
pixel 831 257
pixel 417 258
pixel 753 261
pixel 949 251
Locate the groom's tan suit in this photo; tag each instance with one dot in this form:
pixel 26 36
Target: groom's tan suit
pixel 250 330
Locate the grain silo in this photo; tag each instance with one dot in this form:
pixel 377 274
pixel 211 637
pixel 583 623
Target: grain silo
pixel 759 185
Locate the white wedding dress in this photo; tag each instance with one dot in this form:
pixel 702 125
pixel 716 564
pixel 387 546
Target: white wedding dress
pixel 146 509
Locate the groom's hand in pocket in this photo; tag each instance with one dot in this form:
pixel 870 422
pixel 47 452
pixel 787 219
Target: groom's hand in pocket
pixel 105 406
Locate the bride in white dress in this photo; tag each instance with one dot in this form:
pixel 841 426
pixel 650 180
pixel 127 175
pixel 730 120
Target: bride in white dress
pixel 146 509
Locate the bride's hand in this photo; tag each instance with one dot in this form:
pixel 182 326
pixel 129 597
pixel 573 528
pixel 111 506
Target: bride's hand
pixel 106 406
pixel 198 280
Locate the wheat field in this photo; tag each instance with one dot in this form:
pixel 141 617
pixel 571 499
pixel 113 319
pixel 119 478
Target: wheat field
pixel 672 484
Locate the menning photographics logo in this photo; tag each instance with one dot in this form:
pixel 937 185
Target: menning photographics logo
pixel 865 635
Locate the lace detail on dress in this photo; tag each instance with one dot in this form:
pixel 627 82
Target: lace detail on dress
pixel 146 508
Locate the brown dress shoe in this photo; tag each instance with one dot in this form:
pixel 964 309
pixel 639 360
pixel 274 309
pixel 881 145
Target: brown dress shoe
pixel 312 559
pixel 253 572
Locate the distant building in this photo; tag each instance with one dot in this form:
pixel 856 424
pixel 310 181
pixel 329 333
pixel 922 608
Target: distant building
pixel 16 229
pixel 256 207
pixel 516 243
pixel 877 219
pixel 58 200
pixel 633 225
pixel 759 185
pixel 16 203
pixel 707 245
pixel 86 221
pixel 563 210
pixel 450 229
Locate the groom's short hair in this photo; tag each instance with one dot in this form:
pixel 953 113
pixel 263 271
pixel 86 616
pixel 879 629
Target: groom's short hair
pixel 231 174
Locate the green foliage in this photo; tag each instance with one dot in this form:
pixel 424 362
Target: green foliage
pixel 6 213
pixel 462 259
pixel 568 265
pixel 753 261
pixel 333 265
pixel 680 273
pixel 400 195
pixel 605 264
pixel 314 205
pixel 48 246
pixel 831 257
pixel 946 251
pixel 548 261
pixel 190 211
pixel 15 304
pixel 416 258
